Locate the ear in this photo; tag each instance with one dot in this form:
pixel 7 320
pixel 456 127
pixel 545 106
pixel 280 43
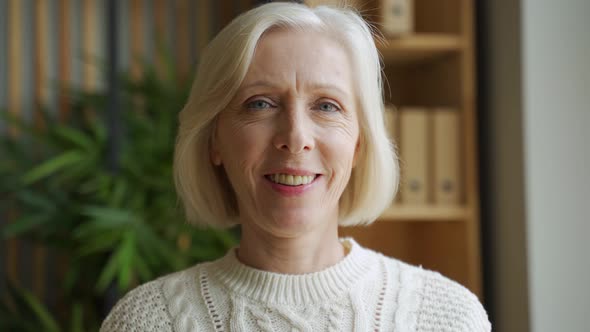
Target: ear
pixel 214 154
pixel 215 157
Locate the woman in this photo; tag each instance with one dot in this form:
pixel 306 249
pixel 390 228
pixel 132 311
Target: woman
pixel 283 134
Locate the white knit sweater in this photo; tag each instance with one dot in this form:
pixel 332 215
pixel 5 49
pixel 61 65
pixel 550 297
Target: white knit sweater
pixel 366 291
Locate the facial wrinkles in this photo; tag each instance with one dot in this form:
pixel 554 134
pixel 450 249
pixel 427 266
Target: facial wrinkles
pixel 310 125
pixel 304 72
pixel 240 120
pixel 310 89
pixel 236 126
pixel 296 91
pixel 299 114
pixel 338 178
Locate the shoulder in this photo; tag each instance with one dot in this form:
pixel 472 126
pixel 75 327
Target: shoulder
pixel 435 302
pixel 141 309
pixel 147 307
pixel 448 304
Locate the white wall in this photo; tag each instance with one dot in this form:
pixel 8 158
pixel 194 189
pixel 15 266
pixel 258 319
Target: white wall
pixel 556 123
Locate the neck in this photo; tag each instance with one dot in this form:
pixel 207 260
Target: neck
pixel 307 253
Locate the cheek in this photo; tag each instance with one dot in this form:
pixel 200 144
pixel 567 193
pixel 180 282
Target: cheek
pixel 344 154
pixel 340 148
pixel 239 154
pixel 241 144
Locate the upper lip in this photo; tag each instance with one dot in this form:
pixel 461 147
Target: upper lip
pixel 292 171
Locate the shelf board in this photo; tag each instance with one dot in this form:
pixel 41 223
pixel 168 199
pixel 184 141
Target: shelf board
pixel 418 47
pixel 398 212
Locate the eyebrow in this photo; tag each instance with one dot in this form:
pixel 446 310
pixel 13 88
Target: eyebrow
pixel 262 83
pixel 257 84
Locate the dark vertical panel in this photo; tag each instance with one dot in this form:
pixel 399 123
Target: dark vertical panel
pixel 15 37
pixel 112 120
pixel 3 59
pixel 113 108
pixel 52 84
pixel 3 104
pixel 123 35
pixel 52 35
pixel 64 39
pixel 27 105
pixel 14 106
pixel 27 70
pixel 39 23
pixel 182 39
pixel 40 59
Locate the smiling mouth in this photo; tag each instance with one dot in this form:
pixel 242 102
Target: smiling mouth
pixel 291 180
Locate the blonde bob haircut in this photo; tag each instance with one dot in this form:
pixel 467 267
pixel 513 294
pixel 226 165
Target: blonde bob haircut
pixel 204 189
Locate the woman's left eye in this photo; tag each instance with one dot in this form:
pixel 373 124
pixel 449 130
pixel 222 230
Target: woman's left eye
pixel 258 104
pixel 328 107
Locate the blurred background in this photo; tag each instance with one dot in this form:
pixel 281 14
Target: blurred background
pixel 487 102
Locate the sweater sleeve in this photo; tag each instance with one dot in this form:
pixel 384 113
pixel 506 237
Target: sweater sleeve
pixel 448 306
pixel 142 309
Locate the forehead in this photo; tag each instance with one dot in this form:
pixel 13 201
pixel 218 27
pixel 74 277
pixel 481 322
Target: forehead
pixel 310 56
pixel 292 38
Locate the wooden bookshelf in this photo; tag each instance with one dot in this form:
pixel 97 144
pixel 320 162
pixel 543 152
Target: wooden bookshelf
pixel 404 212
pixel 418 48
pixel 432 67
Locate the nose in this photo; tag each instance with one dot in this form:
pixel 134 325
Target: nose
pixel 294 132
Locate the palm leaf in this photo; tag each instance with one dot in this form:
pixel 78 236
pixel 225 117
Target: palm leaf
pixel 53 165
pixel 24 224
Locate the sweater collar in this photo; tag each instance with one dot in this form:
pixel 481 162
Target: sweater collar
pixel 293 289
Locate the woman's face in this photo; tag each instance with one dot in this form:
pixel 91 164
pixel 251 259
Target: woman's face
pixel 288 139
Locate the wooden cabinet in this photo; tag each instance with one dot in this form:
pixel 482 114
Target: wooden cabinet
pixel 432 67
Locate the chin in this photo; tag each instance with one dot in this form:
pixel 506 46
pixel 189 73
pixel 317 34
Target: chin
pixel 293 223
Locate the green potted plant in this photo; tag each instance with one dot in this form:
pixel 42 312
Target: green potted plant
pixel 118 228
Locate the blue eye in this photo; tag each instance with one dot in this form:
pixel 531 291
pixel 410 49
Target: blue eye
pixel 328 107
pixel 258 104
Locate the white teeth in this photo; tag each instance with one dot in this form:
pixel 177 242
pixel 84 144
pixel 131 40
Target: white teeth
pixel 291 180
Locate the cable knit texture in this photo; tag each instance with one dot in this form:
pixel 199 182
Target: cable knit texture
pixel 365 291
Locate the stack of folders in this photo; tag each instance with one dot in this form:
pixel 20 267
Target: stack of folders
pixel 429 148
pixel 397 17
pixel 357 4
